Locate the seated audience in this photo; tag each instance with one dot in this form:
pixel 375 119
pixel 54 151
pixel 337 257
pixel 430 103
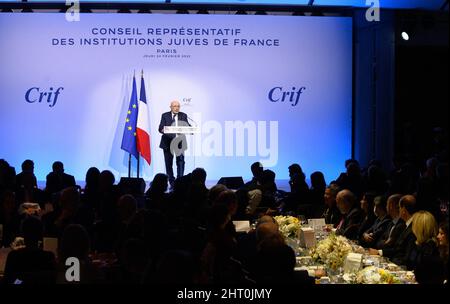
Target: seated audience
pixel 57 180
pixel 316 193
pixel 396 225
pixel 424 258
pixel 367 211
pixel 442 239
pixel 351 215
pixel 30 265
pixel 331 214
pixel 75 243
pixel 370 237
pixel 398 252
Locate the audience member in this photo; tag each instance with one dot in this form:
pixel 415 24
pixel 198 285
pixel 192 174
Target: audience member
pixel 331 214
pixel 57 180
pixel 351 215
pixel 30 265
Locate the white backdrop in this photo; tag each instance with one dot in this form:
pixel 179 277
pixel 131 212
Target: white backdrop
pixel 217 85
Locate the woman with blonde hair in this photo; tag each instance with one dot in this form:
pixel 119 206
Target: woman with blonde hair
pixel 424 227
pixel 424 258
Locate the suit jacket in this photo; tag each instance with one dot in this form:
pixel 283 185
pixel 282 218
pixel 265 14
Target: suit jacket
pixel 26 179
pixel 57 182
pixel 377 230
pixel 166 120
pixel 388 238
pixel 332 216
pixel 31 266
pixel 402 248
pixel 350 227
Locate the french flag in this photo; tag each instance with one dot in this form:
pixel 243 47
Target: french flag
pixel 142 128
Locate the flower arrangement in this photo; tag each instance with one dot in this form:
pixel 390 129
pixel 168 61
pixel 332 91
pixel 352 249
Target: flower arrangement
pixel 332 251
pixel 18 243
pixel 375 275
pixel 288 225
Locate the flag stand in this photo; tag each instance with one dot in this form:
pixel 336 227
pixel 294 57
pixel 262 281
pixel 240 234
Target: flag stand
pixel 138 166
pixel 129 164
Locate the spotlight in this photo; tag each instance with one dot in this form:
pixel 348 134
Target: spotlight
pixel 405 36
pixel 408 27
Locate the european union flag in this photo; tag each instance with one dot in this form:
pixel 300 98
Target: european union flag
pixel 129 132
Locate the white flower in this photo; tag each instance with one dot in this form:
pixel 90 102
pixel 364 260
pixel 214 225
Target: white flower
pixel 288 225
pixel 332 251
pixel 18 243
pixel 375 275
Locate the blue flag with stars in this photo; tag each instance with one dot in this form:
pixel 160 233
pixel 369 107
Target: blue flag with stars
pixel 129 132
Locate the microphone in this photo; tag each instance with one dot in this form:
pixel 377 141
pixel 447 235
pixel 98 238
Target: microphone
pixel 196 124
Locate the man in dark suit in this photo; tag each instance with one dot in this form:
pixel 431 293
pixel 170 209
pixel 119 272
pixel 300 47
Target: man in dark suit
pixel 169 146
pixel 399 251
pixel 371 235
pixel 26 178
pixel 57 180
pixel 351 214
pixel 395 227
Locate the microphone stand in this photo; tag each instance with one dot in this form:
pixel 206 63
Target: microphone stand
pixel 193 141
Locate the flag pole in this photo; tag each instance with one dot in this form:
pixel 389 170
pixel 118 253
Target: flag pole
pixel 129 164
pixel 129 155
pixel 139 156
pixel 138 166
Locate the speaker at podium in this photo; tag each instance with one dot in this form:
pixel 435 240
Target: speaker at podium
pixel 132 185
pixel 232 182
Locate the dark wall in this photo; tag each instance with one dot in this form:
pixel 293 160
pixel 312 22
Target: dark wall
pixel 421 99
pixel 374 88
pixel 401 87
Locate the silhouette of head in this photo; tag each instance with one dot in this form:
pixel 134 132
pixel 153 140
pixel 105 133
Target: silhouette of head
pixel 92 177
pixel 198 176
pixel 74 242
pixel 126 207
pixel 106 180
pixel 229 199
pixel 159 183
pixel 318 180
pixel 28 166
pixel 32 231
pixel 58 167
pixel 257 170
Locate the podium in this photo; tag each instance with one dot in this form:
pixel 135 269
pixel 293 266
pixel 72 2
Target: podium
pixel 178 130
pixel 181 130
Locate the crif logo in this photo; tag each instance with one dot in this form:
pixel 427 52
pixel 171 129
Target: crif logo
pixel 279 94
pixel 187 100
pixel 36 94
